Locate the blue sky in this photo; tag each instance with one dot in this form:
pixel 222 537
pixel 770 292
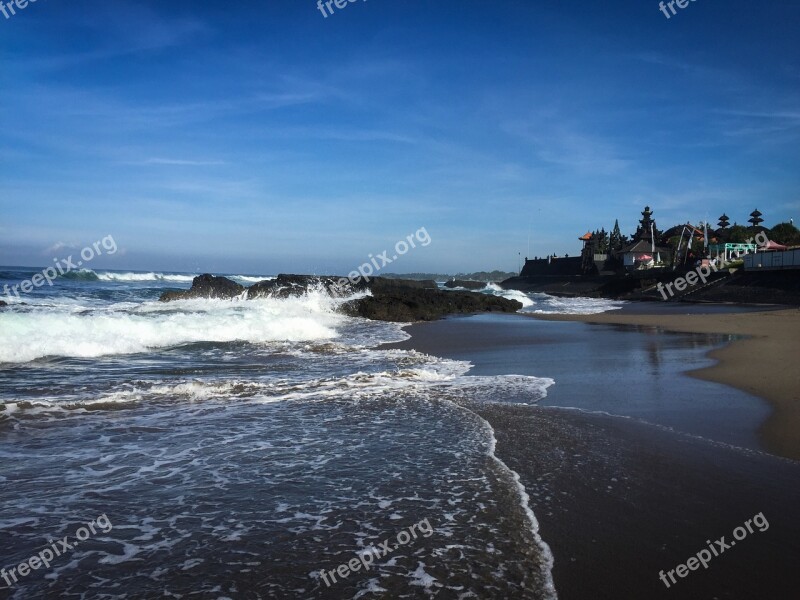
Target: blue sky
pixel 262 137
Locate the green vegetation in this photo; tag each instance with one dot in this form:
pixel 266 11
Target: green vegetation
pixel 786 234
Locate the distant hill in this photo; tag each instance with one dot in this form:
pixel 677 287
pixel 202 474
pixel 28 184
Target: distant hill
pixel 487 276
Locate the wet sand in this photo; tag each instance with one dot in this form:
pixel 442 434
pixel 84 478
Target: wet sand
pixel 619 502
pixel 618 499
pixel 763 364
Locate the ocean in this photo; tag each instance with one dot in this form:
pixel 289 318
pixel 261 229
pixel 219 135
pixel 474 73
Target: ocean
pixel 241 449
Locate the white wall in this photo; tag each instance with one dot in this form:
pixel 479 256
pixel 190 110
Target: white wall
pixel 787 259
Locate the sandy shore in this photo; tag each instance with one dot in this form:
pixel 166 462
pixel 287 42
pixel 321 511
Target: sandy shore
pixel 619 502
pixel 763 363
pixel 621 499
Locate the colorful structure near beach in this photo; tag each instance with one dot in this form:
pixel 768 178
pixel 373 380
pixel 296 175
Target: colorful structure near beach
pixel 608 253
pixel 650 249
pixel 643 252
pixel 614 266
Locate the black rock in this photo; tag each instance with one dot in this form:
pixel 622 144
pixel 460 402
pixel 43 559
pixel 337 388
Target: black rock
pixel 206 286
pixel 414 304
pixel 284 286
pixel 399 300
pixel 382 284
pixel 3 303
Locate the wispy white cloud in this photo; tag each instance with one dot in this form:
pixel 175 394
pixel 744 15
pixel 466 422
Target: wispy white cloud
pixel 117 29
pixel 558 142
pixel 58 247
pixel 761 124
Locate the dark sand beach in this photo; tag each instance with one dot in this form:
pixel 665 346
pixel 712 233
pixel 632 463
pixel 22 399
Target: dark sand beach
pixel 621 498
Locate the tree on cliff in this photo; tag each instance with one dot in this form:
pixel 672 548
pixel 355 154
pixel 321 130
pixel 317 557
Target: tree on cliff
pixel 615 241
pixel 738 234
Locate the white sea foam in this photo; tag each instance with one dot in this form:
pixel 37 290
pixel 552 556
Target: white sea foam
pixel 134 277
pixel 425 375
pixel 249 279
pixel 524 498
pixel 421 577
pixel 138 276
pixel 540 303
pixel 546 304
pixel 496 290
pixel 62 331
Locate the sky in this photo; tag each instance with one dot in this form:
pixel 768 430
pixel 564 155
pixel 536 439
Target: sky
pixel 264 137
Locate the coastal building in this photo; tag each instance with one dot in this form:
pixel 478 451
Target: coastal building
pixel 594 254
pixel 552 266
pixel 650 250
pixel 730 251
pixel 643 253
pixel 773 260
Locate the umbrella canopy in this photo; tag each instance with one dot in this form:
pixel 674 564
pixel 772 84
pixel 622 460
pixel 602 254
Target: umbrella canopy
pixel 774 246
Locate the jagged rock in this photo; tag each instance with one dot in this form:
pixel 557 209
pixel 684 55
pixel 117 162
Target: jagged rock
pixel 2 304
pixel 206 286
pixel 382 284
pixel 284 286
pixel 296 285
pixel 398 300
pixel 409 304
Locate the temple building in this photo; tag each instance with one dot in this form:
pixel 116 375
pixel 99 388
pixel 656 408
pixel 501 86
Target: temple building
pixel 642 252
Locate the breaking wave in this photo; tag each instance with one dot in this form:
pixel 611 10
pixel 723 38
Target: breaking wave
pixel 125 328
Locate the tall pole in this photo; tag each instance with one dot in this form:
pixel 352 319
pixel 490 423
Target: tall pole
pixel 652 241
pixel 678 251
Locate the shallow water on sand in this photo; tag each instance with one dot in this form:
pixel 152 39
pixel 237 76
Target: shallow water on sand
pixel 635 372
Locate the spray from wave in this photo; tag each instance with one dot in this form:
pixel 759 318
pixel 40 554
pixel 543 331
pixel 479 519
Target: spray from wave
pixel 127 329
pixel 495 290
pixel 151 276
pixel 546 304
pixel 133 277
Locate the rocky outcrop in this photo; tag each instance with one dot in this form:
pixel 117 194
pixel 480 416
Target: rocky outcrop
pixel 381 285
pixel 284 286
pixel 398 300
pixel 466 284
pixel 410 304
pixel 206 286
pixel 2 304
